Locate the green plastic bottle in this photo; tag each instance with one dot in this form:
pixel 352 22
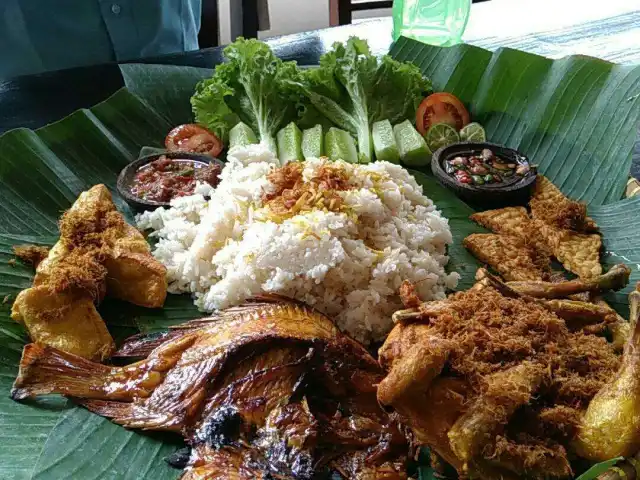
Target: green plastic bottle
pixel 437 22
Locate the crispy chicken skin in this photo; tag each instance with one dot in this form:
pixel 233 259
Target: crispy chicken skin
pixel 270 389
pixel 97 253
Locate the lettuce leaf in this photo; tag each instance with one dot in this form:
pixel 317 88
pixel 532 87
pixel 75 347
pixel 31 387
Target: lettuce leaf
pixel 253 86
pixel 353 89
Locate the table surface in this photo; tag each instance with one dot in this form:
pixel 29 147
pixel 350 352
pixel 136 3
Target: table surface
pixel 609 30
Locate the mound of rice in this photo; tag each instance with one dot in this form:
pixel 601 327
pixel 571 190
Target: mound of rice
pixel 348 264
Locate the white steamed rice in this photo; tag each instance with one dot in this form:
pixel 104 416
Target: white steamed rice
pixel 349 266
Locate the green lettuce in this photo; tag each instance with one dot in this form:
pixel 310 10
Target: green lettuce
pixel 353 89
pixel 253 86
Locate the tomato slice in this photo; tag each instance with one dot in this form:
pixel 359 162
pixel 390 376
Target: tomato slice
pixel 441 107
pixel 193 138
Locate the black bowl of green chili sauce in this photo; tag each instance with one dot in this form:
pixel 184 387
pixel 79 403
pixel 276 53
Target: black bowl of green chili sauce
pixel 485 173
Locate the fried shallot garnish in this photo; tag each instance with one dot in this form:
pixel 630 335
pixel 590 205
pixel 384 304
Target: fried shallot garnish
pixel 293 194
pixel 408 295
pixel 31 254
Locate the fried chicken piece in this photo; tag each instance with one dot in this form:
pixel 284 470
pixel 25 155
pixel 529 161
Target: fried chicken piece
pixel 133 274
pixel 94 226
pixel 533 460
pixel 551 206
pixel 31 254
pixel 505 392
pixel 414 357
pixel 97 252
pixel 611 425
pixel 513 221
pixel 64 321
pixel 513 369
pixel 506 254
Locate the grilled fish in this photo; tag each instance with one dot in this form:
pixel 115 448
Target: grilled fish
pixel 268 388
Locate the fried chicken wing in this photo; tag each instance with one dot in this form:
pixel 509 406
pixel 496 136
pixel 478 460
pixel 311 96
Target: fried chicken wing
pixel 506 254
pixel 97 253
pixel 505 392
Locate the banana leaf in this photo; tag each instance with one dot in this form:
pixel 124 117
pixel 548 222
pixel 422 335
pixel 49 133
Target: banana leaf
pixel 575 117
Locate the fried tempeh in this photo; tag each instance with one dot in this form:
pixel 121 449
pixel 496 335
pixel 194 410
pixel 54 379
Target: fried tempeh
pixel 513 221
pixel 578 252
pixel 551 206
pixel 506 254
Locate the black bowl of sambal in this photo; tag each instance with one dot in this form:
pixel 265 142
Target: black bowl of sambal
pixel 484 173
pixel 154 180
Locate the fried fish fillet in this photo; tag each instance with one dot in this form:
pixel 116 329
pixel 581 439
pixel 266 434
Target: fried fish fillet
pixel 578 252
pixel 513 221
pixel 98 252
pixel 507 254
pixel 551 206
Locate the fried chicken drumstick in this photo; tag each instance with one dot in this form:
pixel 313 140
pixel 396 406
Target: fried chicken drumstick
pixel 508 380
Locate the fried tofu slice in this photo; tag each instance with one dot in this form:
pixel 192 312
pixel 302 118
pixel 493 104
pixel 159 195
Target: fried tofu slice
pixel 578 252
pixel 63 321
pixel 512 221
pixel 507 254
pixel 551 206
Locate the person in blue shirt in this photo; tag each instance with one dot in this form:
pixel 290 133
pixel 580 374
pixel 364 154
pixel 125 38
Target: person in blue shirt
pixel 41 35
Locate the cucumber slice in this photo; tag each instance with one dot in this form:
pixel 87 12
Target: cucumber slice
pixel 289 144
pixel 413 149
pixel 340 145
pixel 312 142
pixel 384 142
pixel 241 135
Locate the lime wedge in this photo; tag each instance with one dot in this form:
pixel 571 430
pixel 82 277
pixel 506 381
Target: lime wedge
pixel 473 132
pixel 441 135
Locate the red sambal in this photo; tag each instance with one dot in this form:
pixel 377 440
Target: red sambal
pixel 167 178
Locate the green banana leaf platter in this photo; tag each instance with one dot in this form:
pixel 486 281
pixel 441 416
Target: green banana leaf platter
pixel 575 117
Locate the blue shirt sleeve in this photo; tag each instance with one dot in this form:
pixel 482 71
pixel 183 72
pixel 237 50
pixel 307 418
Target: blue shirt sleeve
pixel 40 35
